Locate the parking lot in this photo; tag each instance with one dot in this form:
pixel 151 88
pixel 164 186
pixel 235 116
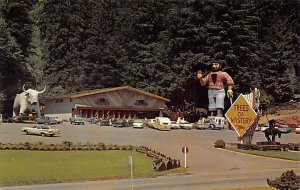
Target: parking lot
pixel 167 142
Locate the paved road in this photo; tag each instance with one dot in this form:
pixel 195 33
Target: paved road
pixel 208 168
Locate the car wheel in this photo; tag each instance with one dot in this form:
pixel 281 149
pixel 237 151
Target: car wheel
pixel 43 135
pixel 26 132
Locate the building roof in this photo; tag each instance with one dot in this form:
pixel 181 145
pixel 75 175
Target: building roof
pixel 105 90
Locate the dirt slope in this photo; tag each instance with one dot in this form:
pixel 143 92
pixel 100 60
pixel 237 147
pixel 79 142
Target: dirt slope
pixel 287 117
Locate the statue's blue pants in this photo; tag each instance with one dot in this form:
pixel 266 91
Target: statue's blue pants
pixel 216 99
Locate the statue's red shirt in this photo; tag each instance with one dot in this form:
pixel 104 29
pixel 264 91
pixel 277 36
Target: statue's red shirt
pixel 222 77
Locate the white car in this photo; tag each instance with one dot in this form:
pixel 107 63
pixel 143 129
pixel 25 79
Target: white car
pixel 138 124
pixel 43 130
pixel 149 123
pixel 174 125
pixel 58 120
pixel 297 130
pixel 185 125
pixel 200 125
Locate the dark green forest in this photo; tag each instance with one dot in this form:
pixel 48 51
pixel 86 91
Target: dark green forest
pixel 154 45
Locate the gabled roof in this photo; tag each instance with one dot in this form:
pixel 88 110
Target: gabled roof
pixel 105 90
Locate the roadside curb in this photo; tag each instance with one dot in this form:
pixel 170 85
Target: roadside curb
pixel 231 151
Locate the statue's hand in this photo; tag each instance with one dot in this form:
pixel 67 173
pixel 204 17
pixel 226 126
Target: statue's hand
pixel 229 93
pixel 199 75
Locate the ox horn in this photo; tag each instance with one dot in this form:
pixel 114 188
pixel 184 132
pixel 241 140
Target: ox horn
pixel 40 92
pixel 24 88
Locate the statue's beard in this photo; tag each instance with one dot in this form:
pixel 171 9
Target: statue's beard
pixel 216 69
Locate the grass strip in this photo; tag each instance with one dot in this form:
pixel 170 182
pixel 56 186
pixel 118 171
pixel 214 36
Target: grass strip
pixel 43 167
pixel 287 155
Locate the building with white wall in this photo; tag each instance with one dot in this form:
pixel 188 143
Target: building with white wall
pixel 119 102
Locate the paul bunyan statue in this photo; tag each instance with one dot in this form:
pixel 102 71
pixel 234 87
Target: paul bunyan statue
pixel 216 81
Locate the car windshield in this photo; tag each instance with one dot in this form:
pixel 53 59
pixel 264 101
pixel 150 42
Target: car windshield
pixel 138 121
pixel 45 127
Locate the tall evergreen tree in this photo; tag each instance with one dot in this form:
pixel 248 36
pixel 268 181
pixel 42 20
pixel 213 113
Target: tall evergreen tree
pixel 233 32
pixel 17 16
pixel 12 68
pixel 34 62
pixel 280 50
pixel 62 27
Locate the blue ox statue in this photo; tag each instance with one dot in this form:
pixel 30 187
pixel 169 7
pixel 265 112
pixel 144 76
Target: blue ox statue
pixel 27 101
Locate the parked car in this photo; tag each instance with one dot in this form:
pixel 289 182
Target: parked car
pixel 297 130
pixel 284 128
pixel 94 120
pixel 120 123
pixel 149 123
pixel 45 120
pixel 77 120
pixel 104 122
pixel 174 125
pixel 215 126
pixel 138 124
pixel 185 125
pixel 43 130
pixel 162 123
pixel 200 125
pixel 57 119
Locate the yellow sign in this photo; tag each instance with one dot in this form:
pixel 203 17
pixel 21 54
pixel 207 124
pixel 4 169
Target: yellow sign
pixel 241 115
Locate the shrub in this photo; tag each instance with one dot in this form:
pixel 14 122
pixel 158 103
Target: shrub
pixel 129 147
pixel 67 145
pixel 88 146
pixel 288 181
pixel 110 147
pixel 27 145
pixel 219 144
pixel 100 146
pixel 293 146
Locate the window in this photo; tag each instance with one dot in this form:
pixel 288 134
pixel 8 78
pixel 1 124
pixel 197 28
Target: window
pixel 102 101
pixel 140 102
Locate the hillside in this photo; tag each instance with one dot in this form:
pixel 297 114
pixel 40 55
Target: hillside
pixel 290 117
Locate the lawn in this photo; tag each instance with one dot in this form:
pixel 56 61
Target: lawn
pixel 39 167
pixel 295 156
